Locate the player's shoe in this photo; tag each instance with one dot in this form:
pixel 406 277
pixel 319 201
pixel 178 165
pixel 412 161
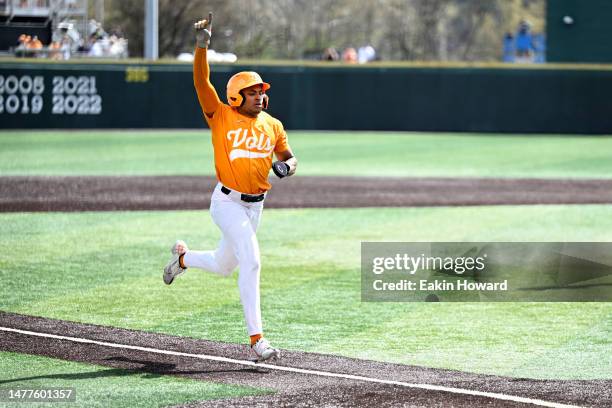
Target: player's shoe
pixel 173 268
pixel 179 247
pixel 264 350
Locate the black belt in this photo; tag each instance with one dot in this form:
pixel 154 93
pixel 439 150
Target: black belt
pixel 247 198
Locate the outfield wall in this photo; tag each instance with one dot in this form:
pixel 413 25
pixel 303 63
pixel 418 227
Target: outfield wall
pixel 491 98
pixel 587 39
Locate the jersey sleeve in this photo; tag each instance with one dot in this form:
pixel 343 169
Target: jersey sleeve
pixel 207 95
pixel 282 144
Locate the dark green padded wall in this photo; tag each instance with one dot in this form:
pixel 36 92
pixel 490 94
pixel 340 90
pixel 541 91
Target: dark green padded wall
pixel 503 99
pixel 588 39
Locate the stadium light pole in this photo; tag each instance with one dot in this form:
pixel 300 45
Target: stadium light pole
pixel 151 29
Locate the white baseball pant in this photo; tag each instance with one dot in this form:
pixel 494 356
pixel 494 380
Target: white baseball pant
pixel 238 221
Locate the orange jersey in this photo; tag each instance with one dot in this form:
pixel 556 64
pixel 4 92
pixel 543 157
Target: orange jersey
pixel 243 145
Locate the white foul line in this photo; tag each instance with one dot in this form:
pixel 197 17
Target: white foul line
pixel 298 370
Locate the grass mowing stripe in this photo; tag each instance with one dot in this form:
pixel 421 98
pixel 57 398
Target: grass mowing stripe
pixel 565 329
pixel 363 154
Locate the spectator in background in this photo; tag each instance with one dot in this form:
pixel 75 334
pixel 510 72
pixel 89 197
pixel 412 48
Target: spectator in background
pixel 101 44
pixel 34 45
pixel 55 50
pixel 118 47
pixel 524 42
pixel 539 47
pixel 330 54
pixel 23 42
pixel 96 48
pixel 509 50
pixel 349 55
pixel 21 50
pixel 366 54
pixel 68 38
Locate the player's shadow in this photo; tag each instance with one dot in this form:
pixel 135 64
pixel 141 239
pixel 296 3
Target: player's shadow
pixel 170 369
pixel 146 369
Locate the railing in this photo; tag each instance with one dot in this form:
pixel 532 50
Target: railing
pixel 42 8
pixel 25 8
pixel 63 54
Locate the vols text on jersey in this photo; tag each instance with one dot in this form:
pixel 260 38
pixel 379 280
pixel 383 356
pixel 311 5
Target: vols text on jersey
pixel 246 145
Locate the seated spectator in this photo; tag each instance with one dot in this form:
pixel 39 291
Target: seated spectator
pixel 118 47
pixel 55 50
pixel 23 42
pixel 35 45
pixel 68 38
pixel 366 54
pixel 539 48
pixel 524 42
pixel 349 55
pixel 330 54
pixel 21 50
pixel 96 48
pixel 509 51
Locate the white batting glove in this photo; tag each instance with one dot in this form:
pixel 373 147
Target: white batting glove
pixel 203 30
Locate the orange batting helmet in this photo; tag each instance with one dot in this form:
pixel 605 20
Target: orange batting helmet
pixel 243 80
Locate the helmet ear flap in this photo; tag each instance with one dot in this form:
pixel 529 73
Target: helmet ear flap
pixel 235 100
pixel 266 100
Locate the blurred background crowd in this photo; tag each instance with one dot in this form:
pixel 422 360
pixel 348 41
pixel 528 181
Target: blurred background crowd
pixel 68 41
pixel 351 31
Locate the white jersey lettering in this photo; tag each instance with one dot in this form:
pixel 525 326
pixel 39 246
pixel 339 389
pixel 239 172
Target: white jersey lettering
pixel 250 147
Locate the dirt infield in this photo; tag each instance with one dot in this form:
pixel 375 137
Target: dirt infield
pixel 292 389
pixel 97 193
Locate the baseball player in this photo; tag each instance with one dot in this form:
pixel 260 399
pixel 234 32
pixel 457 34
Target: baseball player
pixel 244 137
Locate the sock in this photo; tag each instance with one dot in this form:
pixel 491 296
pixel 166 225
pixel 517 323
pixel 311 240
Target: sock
pixel 181 264
pixel 255 338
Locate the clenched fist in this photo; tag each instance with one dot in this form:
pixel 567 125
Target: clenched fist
pixel 280 168
pixel 203 30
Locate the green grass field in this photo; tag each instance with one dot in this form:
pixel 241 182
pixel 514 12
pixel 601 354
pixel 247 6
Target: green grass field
pixel 105 268
pixel 320 154
pixel 79 273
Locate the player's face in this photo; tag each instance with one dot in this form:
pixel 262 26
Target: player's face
pixel 253 100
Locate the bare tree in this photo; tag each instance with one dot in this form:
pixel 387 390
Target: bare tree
pixel 294 29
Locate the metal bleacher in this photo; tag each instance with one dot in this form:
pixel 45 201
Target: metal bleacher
pixel 38 17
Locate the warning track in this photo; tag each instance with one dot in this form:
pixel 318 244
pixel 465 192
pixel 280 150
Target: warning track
pixel 108 193
pixel 299 379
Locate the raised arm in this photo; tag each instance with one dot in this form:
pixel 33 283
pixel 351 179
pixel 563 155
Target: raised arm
pixel 209 100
